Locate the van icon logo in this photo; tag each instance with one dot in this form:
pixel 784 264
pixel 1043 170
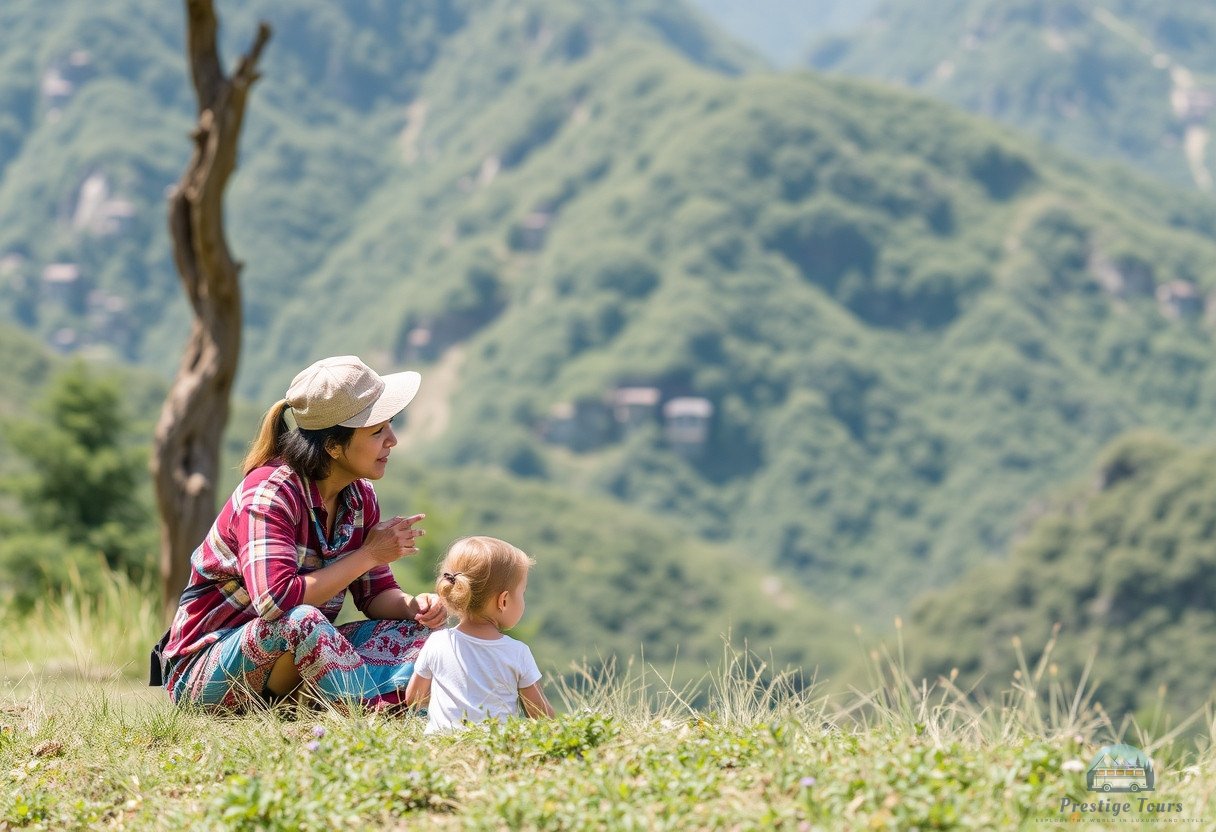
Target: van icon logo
pixel 1120 768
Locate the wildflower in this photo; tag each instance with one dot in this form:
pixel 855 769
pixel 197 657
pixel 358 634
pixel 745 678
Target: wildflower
pixel 313 746
pixel 318 731
pixel 1073 765
pixel 807 782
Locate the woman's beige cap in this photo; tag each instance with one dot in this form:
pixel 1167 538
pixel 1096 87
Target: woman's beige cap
pixel 344 391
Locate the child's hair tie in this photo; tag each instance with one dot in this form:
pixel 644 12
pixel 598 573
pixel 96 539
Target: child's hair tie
pixel 450 577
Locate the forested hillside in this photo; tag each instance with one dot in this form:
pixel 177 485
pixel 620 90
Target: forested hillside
pixel 846 333
pixel 1133 80
pixel 95 108
pixel 906 323
pixel 1122 564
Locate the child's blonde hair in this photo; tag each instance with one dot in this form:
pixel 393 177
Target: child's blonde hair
pixel 476 569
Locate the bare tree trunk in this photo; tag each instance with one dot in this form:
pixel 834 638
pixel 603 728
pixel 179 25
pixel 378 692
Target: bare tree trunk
pixel 186 449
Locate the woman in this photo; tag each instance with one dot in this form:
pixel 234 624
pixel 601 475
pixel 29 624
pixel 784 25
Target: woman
pixel 256 619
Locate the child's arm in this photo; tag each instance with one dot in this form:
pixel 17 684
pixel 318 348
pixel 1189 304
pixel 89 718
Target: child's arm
pixel 535 703
pixel 418 691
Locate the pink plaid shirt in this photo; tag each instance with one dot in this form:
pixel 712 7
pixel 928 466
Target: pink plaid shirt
pixel 268 535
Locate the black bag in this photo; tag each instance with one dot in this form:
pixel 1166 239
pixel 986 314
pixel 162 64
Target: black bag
pixel 158 666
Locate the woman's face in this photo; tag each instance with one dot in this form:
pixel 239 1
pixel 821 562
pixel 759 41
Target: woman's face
pixel 366 455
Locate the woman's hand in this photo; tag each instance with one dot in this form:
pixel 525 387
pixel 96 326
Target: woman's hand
pixel 432 613
pixel 393 539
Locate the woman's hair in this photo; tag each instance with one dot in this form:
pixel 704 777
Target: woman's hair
pixel 306 451
pixel 476 569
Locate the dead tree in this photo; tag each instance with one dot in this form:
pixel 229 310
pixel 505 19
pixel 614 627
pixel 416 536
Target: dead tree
pixel 186 448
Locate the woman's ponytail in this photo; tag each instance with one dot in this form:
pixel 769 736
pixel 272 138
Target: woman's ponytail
pixel 265 445
pixel 306 451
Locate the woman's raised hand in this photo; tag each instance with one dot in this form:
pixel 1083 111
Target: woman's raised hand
pixel 392 539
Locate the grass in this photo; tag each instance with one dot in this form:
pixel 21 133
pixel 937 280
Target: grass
pixel 83 746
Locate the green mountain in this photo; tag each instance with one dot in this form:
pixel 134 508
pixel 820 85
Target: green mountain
pixel 1131 80
pixel 1123 565
pixel 907 322
pixel 846 333
pixel 97 108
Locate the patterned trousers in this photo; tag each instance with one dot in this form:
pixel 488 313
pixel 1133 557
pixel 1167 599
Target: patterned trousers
pixel 366 662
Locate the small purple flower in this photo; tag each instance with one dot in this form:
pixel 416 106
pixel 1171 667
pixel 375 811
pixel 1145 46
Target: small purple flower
pixel 318 731
pixel 313 746
pixel 807 782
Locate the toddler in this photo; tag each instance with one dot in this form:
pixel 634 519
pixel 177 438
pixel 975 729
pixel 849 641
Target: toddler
pixel 472 671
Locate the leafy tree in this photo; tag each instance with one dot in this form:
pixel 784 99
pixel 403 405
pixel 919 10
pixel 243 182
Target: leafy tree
pixel 84 493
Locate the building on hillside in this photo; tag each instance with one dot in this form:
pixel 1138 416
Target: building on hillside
pixel 62 283
pixel 1180 300
pixel 529 233
pixel 579 426
pixel 427 339
pixel 1124 277
pixel 634 408
pixel 686 424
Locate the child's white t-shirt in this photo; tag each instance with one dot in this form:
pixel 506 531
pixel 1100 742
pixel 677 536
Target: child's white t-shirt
pixel 473 678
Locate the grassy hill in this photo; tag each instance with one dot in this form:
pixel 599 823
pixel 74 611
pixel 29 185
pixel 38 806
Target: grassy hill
pixel 754 759
pixel 1132 80
pixel 1122 565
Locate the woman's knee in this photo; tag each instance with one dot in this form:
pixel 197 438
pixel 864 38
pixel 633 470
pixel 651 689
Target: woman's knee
pixel 301 623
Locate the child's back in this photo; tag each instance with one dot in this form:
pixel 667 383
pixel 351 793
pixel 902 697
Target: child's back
pixel 474 678
pixel 473 672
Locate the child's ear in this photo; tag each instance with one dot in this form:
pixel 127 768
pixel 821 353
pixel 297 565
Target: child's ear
pixel 503 598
